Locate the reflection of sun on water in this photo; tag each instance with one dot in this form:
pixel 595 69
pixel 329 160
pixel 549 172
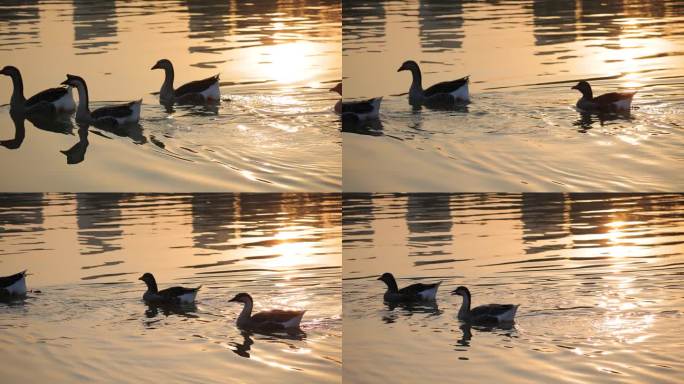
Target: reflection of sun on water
pixel 293 253
pixel 287 63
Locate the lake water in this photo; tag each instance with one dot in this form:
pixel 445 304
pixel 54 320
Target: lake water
pixel 598 279
pixel 274 130
pixel 84 319
pixel 521 131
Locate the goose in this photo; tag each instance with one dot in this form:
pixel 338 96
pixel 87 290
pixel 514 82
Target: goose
pixel 14 285
pixel 489 313
pixel 361 110
pixel 205 90
pixel 173 295
pixel 265 320
pixel 609 102
pixel 414 292
pixel 54 100
pixel 127 113
pixel 441 94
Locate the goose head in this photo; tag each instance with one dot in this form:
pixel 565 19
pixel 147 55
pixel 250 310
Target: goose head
pixel 584 87
pixel 461 291
pixel 147 278
pixel 244 298
pixel 387 278
pixel 409 65
pixel 10 70
pixel 73 81
pixel 337 88
pixel 162 64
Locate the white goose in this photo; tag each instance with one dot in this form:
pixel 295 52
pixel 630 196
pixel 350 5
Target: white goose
pixel 54 100
pixel 205 90
pixel 442 94
pixel 128 113
pixel 14 285
pixel 484 314
pixel 265 320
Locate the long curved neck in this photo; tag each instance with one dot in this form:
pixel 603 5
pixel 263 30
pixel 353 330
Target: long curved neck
pixel 152 286
pixel 82 111
pixel 166 91
pixel 417 83
pixel 464 312
pixel 18 92
pixel 392 285
pixel 246 313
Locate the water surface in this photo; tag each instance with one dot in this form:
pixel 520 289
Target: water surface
pixel 598 279
pixel 274 130
pixel 84 320
pixel 521 132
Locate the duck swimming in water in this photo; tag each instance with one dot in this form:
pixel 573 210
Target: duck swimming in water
pixel 362 110
pixel 199 91
pixel 484 314
pixel 173 295
pixel 53 100
pixel 128 113
pixel 442 94
pixel 609 102
pixel 414 292
pixel 266 320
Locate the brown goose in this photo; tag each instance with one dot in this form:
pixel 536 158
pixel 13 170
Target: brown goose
pixel 414 292
pixel 173 295
pixel 609 102
pixel 59 100
pixel 489 313
pixel 265 320
pixel 205 90
pixel 444 93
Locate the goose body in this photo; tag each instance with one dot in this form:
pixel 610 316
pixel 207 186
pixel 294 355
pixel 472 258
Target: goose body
pixel 442 94
pixel 173 295
pixel 14 285
pixel 265 320
pixel 609 102
pixel 52 100
pixel 127 113
pixel 361 110
pixel 484 314
pixel 205 90
pixel 414 292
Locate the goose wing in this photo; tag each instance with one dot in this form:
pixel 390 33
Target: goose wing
pixel 490 310
pixel 196 86
pixel 48 96
pixel 613 97
pixel 415 289
pixel 446 87
pixel 121 110
pixel 6 281
pixel 176 291
pixel 359 107
pixel 275 316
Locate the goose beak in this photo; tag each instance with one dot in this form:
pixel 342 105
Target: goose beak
pixel 232 300
pixel 140 278
pixel 155 66
pixel 455 292
pixel 379 278
pixel 573 87
pixel 401 69
pixel 65 82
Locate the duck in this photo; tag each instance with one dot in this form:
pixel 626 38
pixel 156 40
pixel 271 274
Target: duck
pixel 119 114
pixel 484 314
pixel 445 93
pixel 609 102
pixel 14 285
pixel 205 90
pixel 54 100
pixel 265 320
pixel 414 292
pixel 173 295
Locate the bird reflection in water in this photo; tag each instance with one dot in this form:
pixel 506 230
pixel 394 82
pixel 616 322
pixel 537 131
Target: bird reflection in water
pixel 182 310
pixel 587 120
pixel 76 154
pixel 409 309
pixel 19 132
pixel 283 337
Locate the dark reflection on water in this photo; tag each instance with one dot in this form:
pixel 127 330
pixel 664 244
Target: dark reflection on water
pixel 99 222
pixel 597 277
pixel 95 26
